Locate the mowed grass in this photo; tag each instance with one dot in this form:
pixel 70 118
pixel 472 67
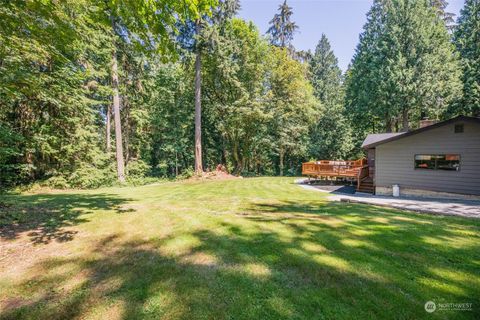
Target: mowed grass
pixel 260 248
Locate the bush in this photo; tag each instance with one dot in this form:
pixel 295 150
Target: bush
pixel 137 169
pixel 187 173
pixel 136 181
pixel 11 172
pixel 160 170
pixel 139 173
pixel 89 177
pixel 57 182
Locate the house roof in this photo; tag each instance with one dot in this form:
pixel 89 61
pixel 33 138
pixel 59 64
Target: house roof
pixel 378 137
pixel 373 140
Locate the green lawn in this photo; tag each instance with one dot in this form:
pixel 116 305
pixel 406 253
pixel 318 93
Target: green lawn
pixel 259 248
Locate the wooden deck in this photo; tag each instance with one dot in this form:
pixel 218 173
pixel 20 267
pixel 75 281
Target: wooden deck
pixel 352 170
pixel 328 168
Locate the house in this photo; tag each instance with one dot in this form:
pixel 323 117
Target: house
pixel 438 159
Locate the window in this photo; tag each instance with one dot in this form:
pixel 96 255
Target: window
pixel 423 161
pixel 458 128
pixel 449 162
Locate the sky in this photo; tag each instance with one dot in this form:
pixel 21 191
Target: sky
pixel 341 20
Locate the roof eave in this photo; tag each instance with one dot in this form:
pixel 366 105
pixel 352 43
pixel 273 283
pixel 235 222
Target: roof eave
pixel 419 130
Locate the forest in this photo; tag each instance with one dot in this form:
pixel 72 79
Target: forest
pixel 98 93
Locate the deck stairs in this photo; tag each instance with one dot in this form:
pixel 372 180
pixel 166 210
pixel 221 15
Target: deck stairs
pixel 366 185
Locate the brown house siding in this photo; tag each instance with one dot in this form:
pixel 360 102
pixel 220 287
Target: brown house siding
pixel 395 160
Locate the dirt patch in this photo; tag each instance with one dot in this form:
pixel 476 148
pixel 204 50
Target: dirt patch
pixel 220 173
pixel 9 304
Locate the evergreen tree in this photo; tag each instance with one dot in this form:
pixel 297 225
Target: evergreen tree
pixel 447 17
pixel 326 76
pixel 53 58
pixel 330 137
pixel 282 27
pixel 403 67
pixel 368 110
pixel 304 56
pixel 224 11
pixel 467 40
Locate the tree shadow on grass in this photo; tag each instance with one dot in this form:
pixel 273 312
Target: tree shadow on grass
pixel 205 282
pixel 290 260
pixel 412 246
pixel 47 216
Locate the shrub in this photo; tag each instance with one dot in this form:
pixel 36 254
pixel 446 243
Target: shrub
pixel 137 169
pixel 160 170
pixel 88 177
pixel 57 182
pixel 187 173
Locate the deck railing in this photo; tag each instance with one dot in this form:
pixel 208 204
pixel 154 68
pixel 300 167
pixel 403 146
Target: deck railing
pixel 328 168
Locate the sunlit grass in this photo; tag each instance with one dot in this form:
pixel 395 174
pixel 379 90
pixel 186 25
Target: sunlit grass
pixel 258 248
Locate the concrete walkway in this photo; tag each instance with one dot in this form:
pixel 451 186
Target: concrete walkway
pixel 454 207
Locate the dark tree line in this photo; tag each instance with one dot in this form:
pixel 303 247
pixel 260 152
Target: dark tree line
pixel 97 92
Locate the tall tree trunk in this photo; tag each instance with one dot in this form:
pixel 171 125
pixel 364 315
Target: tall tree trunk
pixel 126 126
pixel 405 119
pixel 237 161
pixel 116 111
pixel 176 162
pixel 388 123
pixel 224 152
pixel 280 164
pixel 24 119
pixel 108 122
pixel 240 164
pixel 198 107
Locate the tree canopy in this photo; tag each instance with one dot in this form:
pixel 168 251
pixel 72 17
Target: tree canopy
pixel 404 67
pixel 330 135
pixel 156 77
pixel 467 40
